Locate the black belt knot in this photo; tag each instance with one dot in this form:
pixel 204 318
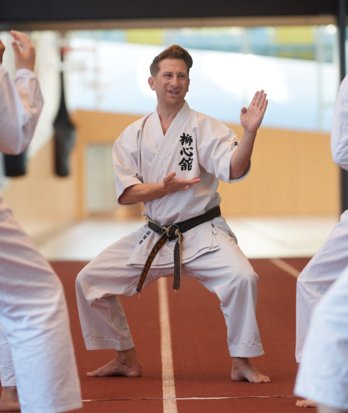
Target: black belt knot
pixel 171 233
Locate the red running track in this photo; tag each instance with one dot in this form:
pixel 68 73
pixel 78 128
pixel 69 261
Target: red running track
pixel 201 364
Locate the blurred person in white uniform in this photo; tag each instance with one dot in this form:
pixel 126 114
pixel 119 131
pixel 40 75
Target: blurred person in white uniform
pixel 36 352
pixel 332 258
pixel 172 161
pixel 323 372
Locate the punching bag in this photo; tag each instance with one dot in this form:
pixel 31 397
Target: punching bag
pixel 64 131
pixel 15 165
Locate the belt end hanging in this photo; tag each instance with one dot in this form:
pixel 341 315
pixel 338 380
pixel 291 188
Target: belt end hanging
pixel 139 287
pixel 176 288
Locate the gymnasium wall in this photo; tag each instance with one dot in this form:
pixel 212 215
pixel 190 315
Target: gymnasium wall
pixel 292 174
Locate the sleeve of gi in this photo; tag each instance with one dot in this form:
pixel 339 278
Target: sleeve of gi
pixel 216 142
pixel 339 134
pixel 20 108
pixel 126 158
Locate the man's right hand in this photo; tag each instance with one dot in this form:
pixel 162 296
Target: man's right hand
pixel 149 191
pixel 174 184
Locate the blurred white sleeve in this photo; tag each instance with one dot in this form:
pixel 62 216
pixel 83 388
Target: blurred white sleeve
pixel 339 134
pixel 21 103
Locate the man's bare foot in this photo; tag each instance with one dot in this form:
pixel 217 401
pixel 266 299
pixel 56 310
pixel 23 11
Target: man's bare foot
pixel 9 400
pixel 242 370
pixel 125 364
pixel 306 403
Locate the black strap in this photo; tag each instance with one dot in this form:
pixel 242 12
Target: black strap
pixel 172 232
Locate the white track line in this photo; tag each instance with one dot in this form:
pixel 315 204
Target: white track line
pixel 285 267
pixel 168 383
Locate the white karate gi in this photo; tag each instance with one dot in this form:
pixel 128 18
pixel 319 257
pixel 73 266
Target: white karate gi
pixel 323 372
pixel 194 145
pixel 33 311
pixel 332 258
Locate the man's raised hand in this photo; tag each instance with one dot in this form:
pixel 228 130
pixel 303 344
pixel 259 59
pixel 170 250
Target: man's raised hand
pixel 251 117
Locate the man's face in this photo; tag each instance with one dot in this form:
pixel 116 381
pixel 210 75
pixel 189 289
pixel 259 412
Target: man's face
pixel 171 82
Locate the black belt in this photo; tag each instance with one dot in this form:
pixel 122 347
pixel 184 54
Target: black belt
pixel 172 232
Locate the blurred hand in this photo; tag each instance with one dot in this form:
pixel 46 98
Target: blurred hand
pixel 2 50
pixel 24 50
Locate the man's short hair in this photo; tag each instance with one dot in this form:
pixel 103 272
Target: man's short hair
pixel 172 52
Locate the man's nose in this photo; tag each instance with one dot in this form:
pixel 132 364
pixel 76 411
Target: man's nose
pixel 175 80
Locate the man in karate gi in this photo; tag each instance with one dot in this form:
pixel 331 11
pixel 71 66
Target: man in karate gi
pixel 323 372
pixel 36 351
pixel 172 161
pixel 332 258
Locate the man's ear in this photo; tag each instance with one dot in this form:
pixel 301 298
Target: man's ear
pixel 150 81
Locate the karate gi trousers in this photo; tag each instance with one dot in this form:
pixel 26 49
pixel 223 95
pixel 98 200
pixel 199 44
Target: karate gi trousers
pixel 318 275
pixel 7 373
pixel 323 372
pixel 225 272
pixel 35 323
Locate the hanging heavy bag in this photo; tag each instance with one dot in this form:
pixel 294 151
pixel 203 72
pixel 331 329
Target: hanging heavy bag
pixel 64 132
pixel 15 165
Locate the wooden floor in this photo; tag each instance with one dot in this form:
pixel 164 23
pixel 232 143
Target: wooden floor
pixel 181 341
